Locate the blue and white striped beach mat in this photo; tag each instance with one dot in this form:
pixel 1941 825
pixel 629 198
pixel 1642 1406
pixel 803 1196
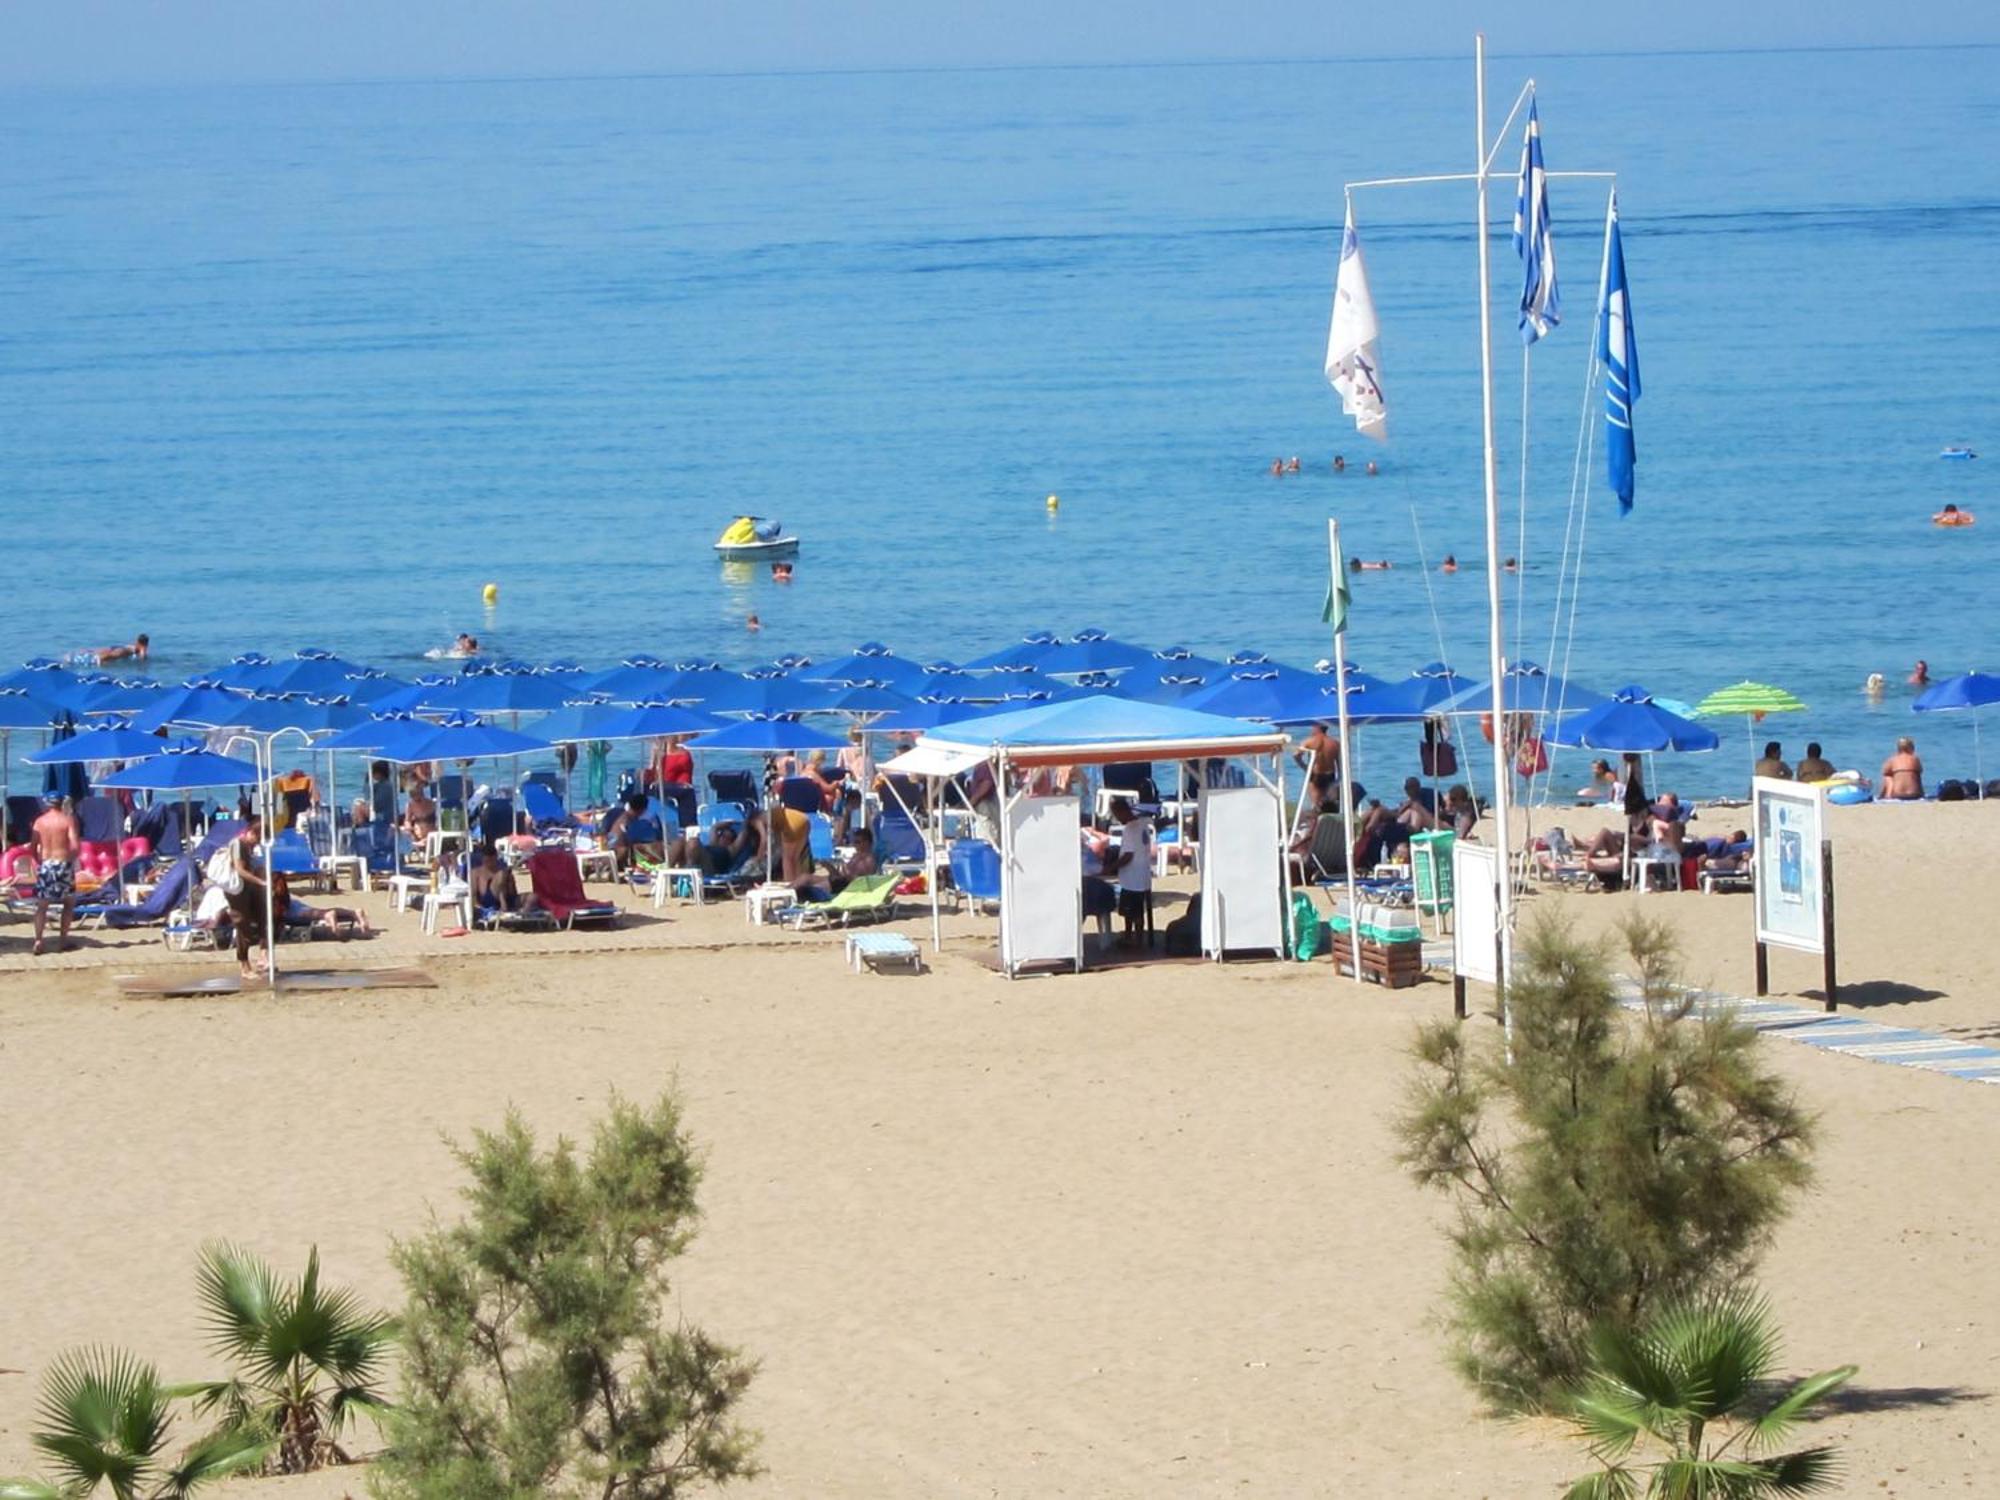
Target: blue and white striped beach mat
pixel 1851 1036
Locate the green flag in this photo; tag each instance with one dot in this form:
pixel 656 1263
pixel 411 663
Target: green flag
pixel 1334 611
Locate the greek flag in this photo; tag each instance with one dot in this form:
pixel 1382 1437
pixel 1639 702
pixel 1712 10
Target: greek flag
pixel 1351 360
pixel 1541 305
pixel 1619 350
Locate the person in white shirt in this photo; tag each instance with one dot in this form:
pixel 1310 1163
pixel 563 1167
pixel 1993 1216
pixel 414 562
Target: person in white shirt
pixel 1134 871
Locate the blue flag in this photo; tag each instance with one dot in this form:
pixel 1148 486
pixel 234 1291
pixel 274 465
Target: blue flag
pixel 1618 348
pixel 1541 305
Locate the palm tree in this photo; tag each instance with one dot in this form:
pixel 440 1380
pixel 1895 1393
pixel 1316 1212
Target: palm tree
pixel 306 1356
pixel 1685 1380
pixel 104 1421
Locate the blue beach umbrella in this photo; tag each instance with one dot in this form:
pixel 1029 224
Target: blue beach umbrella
pixel 643 721
pixel 928 714
pixel 637 679
pixel 1321 704
pixel 1528 690
pixel 868 662
pixel 380 731
pixel 1019 657
pixel 20 710
pixel 103 693
pixel 866 701
pixel 502 692
pixel 241 670
pixel 767 735
pixel 408 697
pixel 199 703
pixel 571 724
pixel 27 710
pixel 310 670
pixel 463 737
pixel 185 767
pixel 1973 691
pixel 112 742
pixel 1631 721
pixel 767 696
pixel 1092 651
pixel 271 712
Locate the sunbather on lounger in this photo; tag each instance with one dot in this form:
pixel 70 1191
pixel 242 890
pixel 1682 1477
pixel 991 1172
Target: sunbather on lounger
pixel 635 834
pixel 816 887
pixel 493 885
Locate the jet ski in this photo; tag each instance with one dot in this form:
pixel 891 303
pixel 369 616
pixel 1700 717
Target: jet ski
pixel 754 539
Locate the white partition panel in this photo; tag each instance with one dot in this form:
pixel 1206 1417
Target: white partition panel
pixel 1475 932
pixel 1242 870
pixel 1041 883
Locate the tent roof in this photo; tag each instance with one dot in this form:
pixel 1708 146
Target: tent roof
pixel 1101 727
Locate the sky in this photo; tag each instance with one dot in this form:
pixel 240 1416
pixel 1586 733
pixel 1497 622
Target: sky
pixel 70 43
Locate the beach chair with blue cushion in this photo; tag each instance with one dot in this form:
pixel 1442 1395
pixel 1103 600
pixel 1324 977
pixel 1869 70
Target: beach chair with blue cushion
pixel 898 840
pixel 540 803
pixel 975 872
pixel 739 787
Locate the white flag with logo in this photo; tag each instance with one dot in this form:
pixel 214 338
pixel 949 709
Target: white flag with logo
pixel 1352 364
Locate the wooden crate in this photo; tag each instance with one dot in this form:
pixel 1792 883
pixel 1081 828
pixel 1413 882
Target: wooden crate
pixel 1395 966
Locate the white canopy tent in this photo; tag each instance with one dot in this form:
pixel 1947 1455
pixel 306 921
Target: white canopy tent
pixel 1095 730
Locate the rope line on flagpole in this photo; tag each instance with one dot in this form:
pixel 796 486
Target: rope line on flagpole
pixel 1430 597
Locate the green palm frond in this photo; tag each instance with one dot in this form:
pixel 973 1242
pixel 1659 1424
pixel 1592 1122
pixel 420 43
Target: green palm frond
pixel 1810 1471
pixel 1608 1418
pixel 103 1419
pixel 213 1457
pixel 239 1297
pixel 1722 1346
pixel 1774 1425
pixel 1605 1484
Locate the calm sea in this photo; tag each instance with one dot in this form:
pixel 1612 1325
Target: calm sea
pixel 309 365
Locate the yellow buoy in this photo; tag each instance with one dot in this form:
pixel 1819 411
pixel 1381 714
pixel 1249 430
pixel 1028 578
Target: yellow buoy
pixel 1054 502
pixel 491 593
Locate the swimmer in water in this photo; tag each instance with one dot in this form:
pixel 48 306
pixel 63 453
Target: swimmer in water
pixel 753 624
pixel 1293 466
pixel 137 651
pixel 1371 467
pixel 1339 464
pixel 1920 674
pixel 1358 566
pixel 1951 515
pixel 1510 566
pixel 1277 466
pixel 781 572
pixel 1875 684
pixel 1450 564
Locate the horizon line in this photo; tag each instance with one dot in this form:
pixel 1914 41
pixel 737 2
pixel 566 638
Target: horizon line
pixel 904 69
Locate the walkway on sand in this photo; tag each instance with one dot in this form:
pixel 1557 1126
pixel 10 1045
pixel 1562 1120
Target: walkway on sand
pixel 1849 1035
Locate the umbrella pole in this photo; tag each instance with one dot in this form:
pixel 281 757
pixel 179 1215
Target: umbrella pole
pixel 936 810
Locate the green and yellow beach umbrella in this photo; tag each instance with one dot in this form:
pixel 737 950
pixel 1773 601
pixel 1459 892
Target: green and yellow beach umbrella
pixel 1753 700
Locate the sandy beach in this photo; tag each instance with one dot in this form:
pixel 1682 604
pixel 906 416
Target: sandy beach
pixel 1134 1233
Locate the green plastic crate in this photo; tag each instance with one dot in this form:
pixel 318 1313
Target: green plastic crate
pixel 1430 869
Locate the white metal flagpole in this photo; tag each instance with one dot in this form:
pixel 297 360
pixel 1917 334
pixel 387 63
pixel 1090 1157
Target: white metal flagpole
pixel 1495 616
pixel 1346 774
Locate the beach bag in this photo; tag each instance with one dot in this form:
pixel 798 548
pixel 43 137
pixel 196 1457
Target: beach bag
pixel 1532 758
pixel 1308 931
pixel 914 885
pixel 1438 759
pixel 222 872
